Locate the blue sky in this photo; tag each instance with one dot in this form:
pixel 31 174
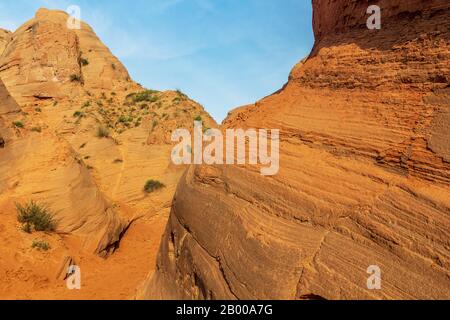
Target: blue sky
pixel 222 53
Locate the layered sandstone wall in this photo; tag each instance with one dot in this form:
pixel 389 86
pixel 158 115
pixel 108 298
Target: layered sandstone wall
pixel 364 174
pixel 339 16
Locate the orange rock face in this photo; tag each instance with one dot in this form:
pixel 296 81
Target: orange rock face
pixel 45 59
pixel 5 38
pixel 7 106
pixel 364 174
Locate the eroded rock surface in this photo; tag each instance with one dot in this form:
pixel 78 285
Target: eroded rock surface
pixel 83 139
pixel 364 175
pixel 5 38
pixel 45 59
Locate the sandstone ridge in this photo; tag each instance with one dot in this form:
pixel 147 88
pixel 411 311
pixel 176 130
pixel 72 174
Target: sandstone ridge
pixel 364 176
pixel 79 136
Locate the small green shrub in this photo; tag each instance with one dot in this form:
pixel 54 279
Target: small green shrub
pixel 182 95
pixel 18 124
pixel 144 96
pixel 75 78
pixel 27 228
pixel 78 114
pixel 176 100
pixel 86 104
pixel 153 185
pixel 84 62
pixel 154 124
pixel 40 245
pixel 198 118
pixel 35 216
pixel 102 132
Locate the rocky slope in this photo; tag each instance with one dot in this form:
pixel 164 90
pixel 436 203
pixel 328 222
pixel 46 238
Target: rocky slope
pixel 364 174
pixel 82 139
pixel 44 59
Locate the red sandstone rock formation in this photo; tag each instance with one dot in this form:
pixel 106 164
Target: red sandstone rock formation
pixel 68 85
pixel 364 177
pixel 44 59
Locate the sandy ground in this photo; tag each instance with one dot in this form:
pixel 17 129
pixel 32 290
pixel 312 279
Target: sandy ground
pixel 30 274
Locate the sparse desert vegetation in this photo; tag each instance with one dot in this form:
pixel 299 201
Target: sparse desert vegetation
pixel 18 124
pixel 35 217
pixel 75 78
pixel 40 245
pixel 102 132
pixel 84 62
pixel 119 114
pixel 153 185
pixel 78 114
pixel 147 95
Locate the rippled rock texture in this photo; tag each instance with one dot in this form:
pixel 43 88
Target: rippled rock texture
pixel 364 175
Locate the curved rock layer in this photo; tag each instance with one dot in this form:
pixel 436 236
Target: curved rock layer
pixel 364 174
